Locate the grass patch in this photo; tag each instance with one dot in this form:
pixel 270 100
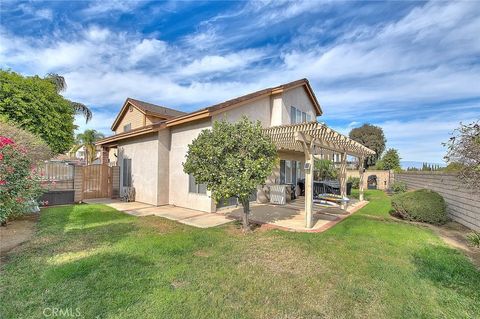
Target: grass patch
pixel 112 265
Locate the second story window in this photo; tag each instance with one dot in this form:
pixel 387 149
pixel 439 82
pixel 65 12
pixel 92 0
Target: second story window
pixel 127 127
pixel 297 116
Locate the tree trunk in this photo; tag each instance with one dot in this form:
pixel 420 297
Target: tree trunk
pixel 246 212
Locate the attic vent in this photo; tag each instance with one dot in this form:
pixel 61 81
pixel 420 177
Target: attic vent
pixel 130 108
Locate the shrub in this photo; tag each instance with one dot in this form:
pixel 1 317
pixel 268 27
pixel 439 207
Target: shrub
pixel 19 183
pixel 36 148
pixel 325 170
pixel 399 187
pixel 474 239
pixel 355 181
pixel 422 205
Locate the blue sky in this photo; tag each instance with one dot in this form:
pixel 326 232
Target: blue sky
pixel 412 68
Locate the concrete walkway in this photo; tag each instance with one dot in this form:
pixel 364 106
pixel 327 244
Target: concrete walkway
pixel 186 216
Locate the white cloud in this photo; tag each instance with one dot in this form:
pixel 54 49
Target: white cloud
pixel 44 14
pixel 147 48
pixel 392 74
pixel 218 63
pixel 110 6
pixel 35 14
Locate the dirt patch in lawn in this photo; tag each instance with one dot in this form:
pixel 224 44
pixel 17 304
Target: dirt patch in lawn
pixel 454 234
pixel 16 232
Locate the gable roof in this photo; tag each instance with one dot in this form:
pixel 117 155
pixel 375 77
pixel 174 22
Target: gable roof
pixel 238 101
pixel 146 108
pixel 172 117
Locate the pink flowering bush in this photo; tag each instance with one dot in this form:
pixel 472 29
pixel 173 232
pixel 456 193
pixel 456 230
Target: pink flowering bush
pixel 19 182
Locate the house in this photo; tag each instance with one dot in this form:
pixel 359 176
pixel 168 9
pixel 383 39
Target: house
pixel 151 141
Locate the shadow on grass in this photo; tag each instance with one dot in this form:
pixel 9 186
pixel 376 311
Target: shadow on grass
pixel 448 268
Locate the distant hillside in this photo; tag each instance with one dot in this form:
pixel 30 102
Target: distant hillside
pixel 407 164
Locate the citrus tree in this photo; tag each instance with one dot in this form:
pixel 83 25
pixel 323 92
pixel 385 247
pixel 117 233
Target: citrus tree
pixel 232 159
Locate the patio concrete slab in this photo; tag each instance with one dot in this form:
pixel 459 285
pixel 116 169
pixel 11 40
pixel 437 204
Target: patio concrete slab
pixel 292 215
pixel 177 213
pixel 186 216
pixel 208 220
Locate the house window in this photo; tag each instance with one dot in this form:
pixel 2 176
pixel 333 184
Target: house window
pixel 297 116
pixel 127 172
pixel 127 127
pixel 193 187
pixel 290 172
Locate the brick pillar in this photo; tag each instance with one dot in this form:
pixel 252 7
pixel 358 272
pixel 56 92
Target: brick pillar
pixel 78 183
pixel 104 155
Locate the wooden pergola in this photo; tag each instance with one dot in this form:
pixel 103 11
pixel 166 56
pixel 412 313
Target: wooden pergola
pixel 310 138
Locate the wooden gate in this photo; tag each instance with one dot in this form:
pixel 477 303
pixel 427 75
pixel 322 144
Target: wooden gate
pixel 97 181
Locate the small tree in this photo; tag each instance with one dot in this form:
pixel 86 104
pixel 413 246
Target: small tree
pixel 391 159
pixel 36 105
pixel 372 137
pixel 232 159
pixel 87 140
pixel 325 170
pixel 35 147
pixel 19 183
pixel 463 149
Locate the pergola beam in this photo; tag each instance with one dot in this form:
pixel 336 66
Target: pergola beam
pixel 305 138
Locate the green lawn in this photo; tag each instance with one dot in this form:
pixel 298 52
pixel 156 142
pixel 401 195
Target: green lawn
pixel 112 265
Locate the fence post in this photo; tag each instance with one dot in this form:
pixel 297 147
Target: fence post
pixel 78 183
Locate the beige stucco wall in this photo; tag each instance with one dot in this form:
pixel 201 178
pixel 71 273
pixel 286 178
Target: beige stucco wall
pixel 181 136
pixel 272 111
pixel 274 178
pixel 298 98
pixel 134 117
pixel 256 110
pixel 145 161
pixel 276 110
pixel 163 186
pixel 384 178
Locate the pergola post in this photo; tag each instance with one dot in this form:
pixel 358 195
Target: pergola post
pixel 343 178
pixel 361 172
pixel 343 175
pixel 309 187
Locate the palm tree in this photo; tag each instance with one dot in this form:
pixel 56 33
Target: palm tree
pixel 87 140
pixel 61 85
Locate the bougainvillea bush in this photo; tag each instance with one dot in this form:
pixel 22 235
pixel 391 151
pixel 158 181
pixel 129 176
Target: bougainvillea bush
pixel 20 185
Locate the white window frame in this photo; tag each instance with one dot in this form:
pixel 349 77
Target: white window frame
pixel 194 188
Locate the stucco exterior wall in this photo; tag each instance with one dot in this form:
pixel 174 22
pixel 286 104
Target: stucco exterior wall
pixel 384 178
pixel 255 110
pixel 143 151
pixel 163 186
pixel 274 178
pixel 179 195
pixel 276 110
pixel 134 117
pixel 298 98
